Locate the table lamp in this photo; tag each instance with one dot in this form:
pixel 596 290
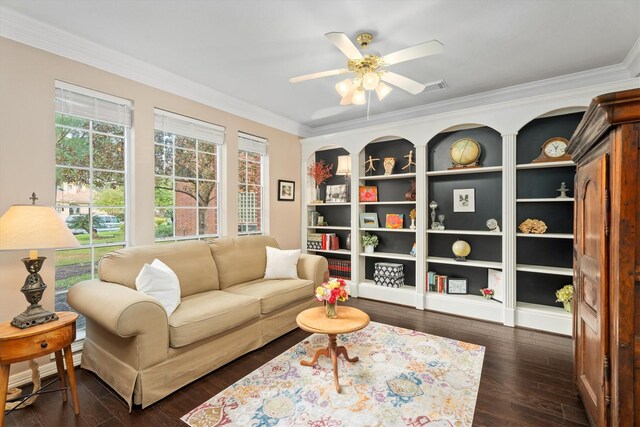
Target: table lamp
pixel 34 227
pixel 344 169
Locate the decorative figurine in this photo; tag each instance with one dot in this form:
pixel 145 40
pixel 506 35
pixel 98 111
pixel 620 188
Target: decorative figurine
pixel 369 165
pixel 410 161
pixel 412 215
pixel 563 191
pixel 389 163
pixel 434 224
pixel 411 194
pixel 492 225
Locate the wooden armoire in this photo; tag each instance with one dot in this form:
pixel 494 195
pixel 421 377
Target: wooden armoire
pixel 606 259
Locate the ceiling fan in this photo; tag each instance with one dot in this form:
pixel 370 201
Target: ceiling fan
pixel 370 68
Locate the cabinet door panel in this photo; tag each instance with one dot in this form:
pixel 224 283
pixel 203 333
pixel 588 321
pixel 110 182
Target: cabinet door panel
pixel 591 291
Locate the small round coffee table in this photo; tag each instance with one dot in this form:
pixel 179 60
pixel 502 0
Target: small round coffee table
pixel 315 320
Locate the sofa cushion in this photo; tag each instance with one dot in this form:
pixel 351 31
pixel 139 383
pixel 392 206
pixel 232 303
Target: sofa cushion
pixel 191 261
pixel 275 294
pixel 241 259
pixel 209 313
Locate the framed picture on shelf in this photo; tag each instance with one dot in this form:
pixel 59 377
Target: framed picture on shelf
pixel 413 250
pixel 336 194
pixel 494 281
pixel 394 221
pixel 464 200
pixel 312 218
pixel 286 190
pixel 369 220
pixel 457 285
pixel 368 193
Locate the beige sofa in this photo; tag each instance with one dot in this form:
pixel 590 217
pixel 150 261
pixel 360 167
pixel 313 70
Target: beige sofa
pixel 226 310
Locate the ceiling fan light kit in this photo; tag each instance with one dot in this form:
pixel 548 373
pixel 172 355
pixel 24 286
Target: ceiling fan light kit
pixel 369 70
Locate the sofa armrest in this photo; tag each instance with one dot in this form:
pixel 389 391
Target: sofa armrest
pixel 313 267
pixel 125 313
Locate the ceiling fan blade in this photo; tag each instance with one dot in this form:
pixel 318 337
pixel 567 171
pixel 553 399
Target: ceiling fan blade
pixel 402 82
pixel 345 45
pixel 317 75
pixel 418 51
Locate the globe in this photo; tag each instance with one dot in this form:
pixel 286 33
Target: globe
pixel 464 152
pixel 460 249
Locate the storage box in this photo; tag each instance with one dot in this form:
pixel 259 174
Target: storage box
pixel 314 241
pixel 389 269
pixel 390 282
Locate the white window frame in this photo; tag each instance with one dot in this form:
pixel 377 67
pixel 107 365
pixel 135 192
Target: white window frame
pixel 200 130
pixel 256 145
pixel 92 105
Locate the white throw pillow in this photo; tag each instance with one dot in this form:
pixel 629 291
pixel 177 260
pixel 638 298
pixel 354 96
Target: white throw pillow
pixel 281 264
pixel 160 282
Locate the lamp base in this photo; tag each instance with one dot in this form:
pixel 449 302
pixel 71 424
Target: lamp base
pixel 34 315
pixel 33 289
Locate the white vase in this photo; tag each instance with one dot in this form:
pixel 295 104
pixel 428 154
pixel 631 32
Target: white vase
pixel 368 249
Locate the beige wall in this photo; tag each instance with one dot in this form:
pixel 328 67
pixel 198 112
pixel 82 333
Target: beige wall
pixel 27 77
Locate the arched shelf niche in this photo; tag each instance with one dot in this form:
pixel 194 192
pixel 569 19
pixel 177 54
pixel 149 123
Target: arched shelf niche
pixel 390 207
pixel 544 265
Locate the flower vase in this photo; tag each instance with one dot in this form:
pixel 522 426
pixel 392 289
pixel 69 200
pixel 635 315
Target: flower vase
pixel 413 224
pixel 567 306
pixel 368 249
pixel 332 310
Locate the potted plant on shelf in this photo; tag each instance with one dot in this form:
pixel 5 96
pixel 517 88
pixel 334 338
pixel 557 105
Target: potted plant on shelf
pixel 319 172
pixel 565 296
pixel 369 241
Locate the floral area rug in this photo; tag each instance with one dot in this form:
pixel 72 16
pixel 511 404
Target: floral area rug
pixel 403 377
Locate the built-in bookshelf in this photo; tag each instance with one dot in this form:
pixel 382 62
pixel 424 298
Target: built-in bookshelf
pixel 507 187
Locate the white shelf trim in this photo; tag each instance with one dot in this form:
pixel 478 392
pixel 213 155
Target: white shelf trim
pixel 543 165
pixel 487 169
pixel 337 251
pixel 393 230
pixel 329 227
pixel 546 199
pixel 467 263
pixel 384 177
pixel 547 235
pixel 329 204
pixel 390 255
pixel 542 317
pixel 542 269
pixel 467 232
pixel 399 202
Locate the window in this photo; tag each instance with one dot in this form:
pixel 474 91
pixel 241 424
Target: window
pixel 187 168
pixel 92 140
pixel 252 156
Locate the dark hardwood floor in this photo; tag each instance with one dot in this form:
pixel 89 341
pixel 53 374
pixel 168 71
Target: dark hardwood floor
pixel 526 378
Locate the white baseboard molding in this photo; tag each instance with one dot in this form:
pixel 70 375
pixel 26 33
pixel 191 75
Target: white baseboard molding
pixel 24 377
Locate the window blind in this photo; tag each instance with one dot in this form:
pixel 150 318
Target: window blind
pixel 186 126
pixel 88 104
pixel 255 144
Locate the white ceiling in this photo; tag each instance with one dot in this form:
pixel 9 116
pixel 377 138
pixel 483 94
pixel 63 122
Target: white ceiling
pixel 249 49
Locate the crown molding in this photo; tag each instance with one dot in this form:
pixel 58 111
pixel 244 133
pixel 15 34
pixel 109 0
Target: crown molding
pixel 29 31
pixel 632 61
pixel 581 79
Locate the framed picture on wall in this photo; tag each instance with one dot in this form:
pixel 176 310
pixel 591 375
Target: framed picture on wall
pixel 286 190
pixel 464 200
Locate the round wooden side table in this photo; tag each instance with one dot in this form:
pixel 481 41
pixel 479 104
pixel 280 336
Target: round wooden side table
pixel 17 345
pixel 315 320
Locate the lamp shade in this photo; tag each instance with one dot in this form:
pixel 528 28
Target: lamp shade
pixel 344 165
pixel 34 227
